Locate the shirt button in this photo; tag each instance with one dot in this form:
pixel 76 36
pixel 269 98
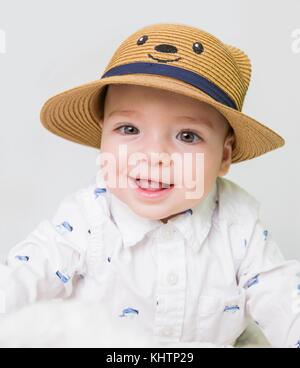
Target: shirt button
pixel 172 278
pixel 167 331
pixel 169 234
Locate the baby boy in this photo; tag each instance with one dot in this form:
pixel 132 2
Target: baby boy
pixel 160 236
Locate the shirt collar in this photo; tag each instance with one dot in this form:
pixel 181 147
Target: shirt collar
pixel 194 224
pixel 132 226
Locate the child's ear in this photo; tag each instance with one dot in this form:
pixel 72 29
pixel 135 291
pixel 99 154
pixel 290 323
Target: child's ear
pixel 227 154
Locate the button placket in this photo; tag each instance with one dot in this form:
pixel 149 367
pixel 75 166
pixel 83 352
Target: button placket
pixel 172 278
pixel 171 285
pixel 167 331
pixel 169 233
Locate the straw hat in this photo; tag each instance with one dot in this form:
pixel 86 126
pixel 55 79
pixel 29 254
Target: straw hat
pixel 173 57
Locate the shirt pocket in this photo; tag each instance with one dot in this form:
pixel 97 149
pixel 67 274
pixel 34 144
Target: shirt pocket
pixel 221 318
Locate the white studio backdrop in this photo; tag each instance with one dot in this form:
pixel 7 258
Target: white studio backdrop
pixel 50 46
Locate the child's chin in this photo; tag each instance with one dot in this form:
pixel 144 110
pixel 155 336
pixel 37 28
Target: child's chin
pixel 151 212
pixel 151 208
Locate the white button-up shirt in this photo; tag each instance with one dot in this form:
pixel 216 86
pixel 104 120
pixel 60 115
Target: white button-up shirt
pixel 199 277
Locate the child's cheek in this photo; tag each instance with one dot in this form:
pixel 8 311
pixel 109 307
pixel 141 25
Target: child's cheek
pixel 189 186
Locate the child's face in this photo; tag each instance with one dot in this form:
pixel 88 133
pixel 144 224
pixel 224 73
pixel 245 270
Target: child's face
pixel 147 120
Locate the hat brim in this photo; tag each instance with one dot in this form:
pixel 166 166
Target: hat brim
pixel 76 114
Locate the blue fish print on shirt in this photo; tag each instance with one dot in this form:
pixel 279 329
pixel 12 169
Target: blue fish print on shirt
pixel 265 234
pixel 245 242
pixel 128 312
pixel 254 280
pixel 298 344
pixel 62 277
pixel 99 191
pixel 64 227
pixel 231 308
pixel 22 258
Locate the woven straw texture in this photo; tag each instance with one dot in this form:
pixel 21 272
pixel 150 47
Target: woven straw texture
pixel 76 114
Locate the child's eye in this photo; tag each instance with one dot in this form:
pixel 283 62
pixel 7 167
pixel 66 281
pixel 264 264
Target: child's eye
pixel 128 129
pixel 189 137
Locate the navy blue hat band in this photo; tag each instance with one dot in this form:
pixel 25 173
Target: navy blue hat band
pixel 184 75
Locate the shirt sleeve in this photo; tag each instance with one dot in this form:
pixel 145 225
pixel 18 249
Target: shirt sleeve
pixel 44 265
pixel 272 286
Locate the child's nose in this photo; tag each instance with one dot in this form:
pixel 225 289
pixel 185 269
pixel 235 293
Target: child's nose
pixel 156 142
pixel 158 152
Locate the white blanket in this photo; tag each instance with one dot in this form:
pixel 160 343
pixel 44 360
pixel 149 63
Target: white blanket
pixel 75 324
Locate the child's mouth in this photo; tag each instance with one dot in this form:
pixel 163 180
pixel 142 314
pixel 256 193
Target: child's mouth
pixel 152 185
pixel 151 188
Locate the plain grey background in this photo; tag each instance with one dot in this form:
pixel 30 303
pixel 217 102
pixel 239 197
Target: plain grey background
pixel 51 46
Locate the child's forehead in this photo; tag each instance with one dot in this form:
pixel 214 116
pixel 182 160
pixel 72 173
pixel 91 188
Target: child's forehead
pixel 138 101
